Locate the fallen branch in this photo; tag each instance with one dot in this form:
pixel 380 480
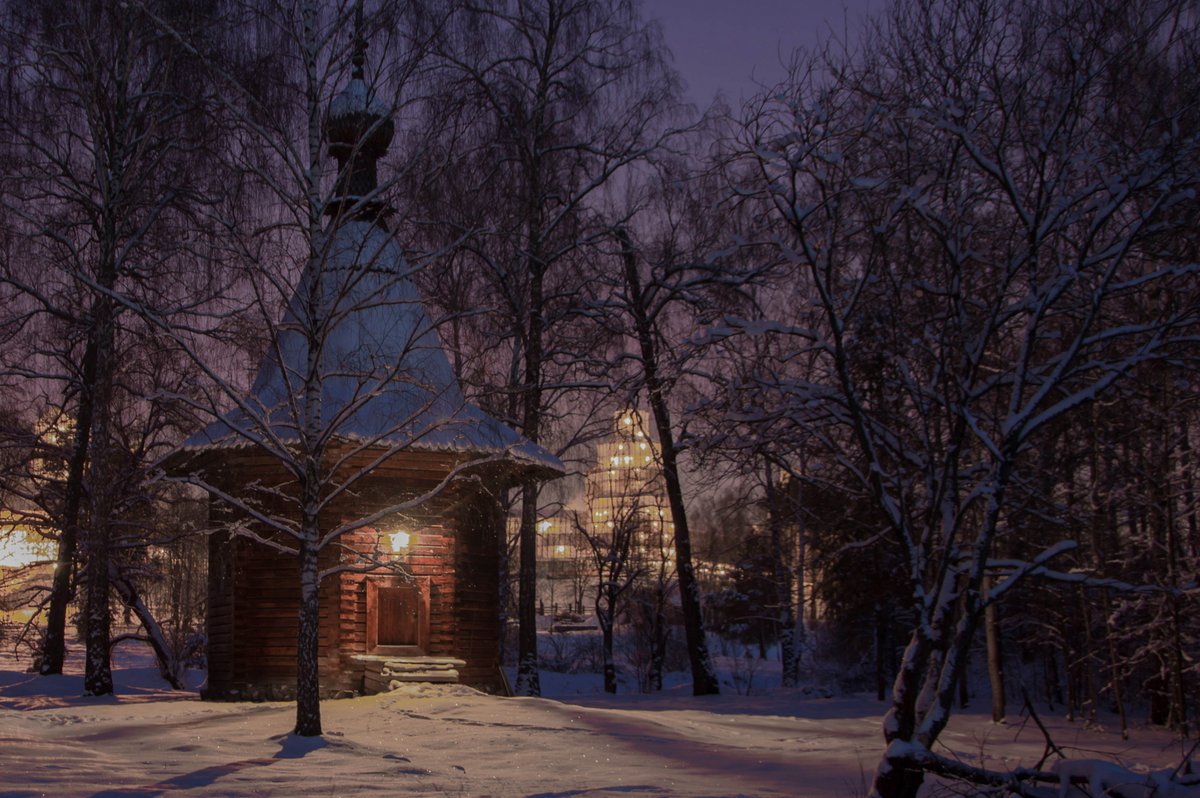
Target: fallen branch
pixel 1184 769
pixel 1015 781
pixel 1051 747
pixel 168 665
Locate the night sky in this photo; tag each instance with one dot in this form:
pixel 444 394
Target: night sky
pixel 726 45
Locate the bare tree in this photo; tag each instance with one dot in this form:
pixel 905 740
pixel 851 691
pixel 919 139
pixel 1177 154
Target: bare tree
pixel 748 428
pixel 986 251
pixel 106 153
pixel 648 304
pixel 612 544
pixel 560 98
pixel 674 272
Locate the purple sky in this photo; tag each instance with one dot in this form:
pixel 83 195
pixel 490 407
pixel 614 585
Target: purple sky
pixel 720 44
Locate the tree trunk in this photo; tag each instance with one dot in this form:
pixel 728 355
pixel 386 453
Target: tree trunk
pixel 881 635
pixel 1188 476
pixel 1179 711
pixel 1114 666
pixel 102 483
pixel 1071 672
pixel 1179 714
pixel 1090 696
pixel 308 691
pixel 704 676
pixel 504 593
pixel 97 678
pixel 1053 685
pixel 781 574
pixel 528 682
pixel 610 665
pixel 54 645
pixel 995 657
pixel 896 778
pixel 797 598
pixel 658 655
pixel 789 662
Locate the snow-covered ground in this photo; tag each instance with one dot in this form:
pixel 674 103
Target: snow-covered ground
pixel 454 741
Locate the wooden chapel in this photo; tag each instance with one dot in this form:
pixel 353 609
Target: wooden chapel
pixel 412 595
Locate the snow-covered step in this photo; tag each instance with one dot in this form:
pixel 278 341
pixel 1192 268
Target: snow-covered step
pixel 385 673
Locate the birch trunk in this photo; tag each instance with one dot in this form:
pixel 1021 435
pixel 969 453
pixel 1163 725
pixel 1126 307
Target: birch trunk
pixel 789 620
pixel 102 480
pixel 528 681
pixel 308 691
pixel 658 656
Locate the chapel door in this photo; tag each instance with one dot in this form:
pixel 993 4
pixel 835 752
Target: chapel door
pixel 398 616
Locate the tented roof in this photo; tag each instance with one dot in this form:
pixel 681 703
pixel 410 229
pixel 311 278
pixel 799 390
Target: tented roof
pixel 383 373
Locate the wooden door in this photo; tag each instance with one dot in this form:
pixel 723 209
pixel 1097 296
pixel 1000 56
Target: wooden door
pixel 399 616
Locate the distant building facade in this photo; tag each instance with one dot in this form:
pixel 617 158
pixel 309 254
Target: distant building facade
pixel 624 500
pixel 626 489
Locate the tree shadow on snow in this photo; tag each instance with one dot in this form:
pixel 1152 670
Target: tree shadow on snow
pixel 291 746
pixel 605 790
pixel 204 777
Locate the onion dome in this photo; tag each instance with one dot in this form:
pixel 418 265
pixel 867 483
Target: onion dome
pixel 359 128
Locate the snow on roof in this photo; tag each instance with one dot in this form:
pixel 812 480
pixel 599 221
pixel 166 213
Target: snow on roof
pixel 384 375
pixel 356 98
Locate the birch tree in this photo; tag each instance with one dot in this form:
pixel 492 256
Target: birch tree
pixel 279 91
pixel 105 154
pixel 985 242
pixel 561 98
pixel 675 272
pixel 647 304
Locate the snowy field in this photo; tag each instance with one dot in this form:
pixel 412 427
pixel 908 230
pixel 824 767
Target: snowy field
pixel 150 741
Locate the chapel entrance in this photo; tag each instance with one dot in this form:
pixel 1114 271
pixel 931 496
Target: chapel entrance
pixel 397 616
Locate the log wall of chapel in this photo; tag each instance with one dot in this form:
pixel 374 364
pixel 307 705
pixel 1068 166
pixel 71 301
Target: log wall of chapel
pixel 254 600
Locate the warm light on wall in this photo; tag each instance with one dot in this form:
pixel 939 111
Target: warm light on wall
pixel 20 547
pixel 400 540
